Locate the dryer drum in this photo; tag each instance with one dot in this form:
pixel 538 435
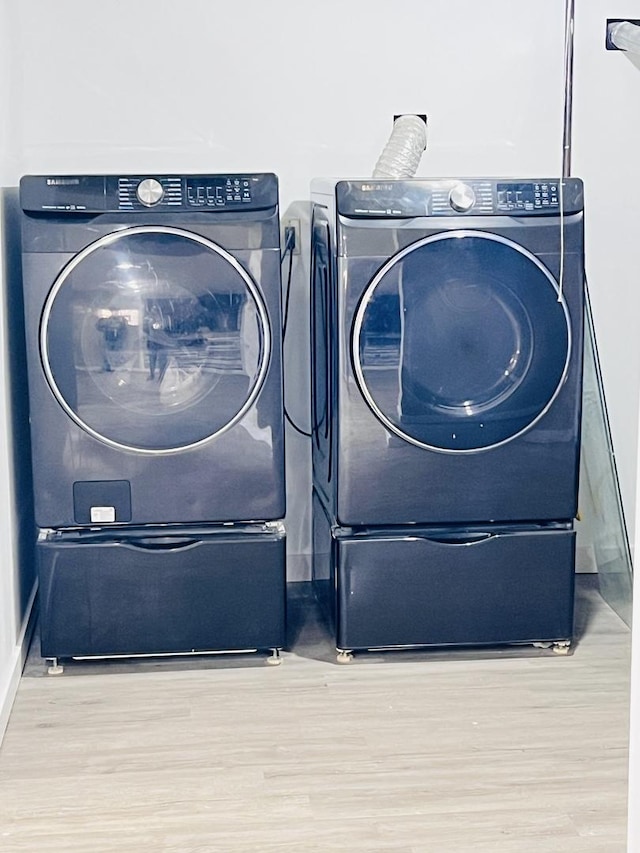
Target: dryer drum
pixel 461 341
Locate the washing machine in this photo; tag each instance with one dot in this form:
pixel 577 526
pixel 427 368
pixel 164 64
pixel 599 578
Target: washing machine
pixel 447 331
pixel 153 329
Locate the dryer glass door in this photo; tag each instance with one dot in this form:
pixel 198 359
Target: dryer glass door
pixel 461 341
pixel 155 339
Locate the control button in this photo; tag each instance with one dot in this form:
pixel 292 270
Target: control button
pixel 462 198
pixel 149 192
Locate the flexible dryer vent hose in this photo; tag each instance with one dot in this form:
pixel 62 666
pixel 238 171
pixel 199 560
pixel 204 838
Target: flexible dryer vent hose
pixel 625 36
pixel 401 155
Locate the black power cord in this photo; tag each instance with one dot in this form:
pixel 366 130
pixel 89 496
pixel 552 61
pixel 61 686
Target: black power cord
pixel 289 246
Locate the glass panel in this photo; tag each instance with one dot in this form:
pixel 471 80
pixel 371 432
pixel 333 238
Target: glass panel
pixel 461 342
pixel 602 530
pixel 154 339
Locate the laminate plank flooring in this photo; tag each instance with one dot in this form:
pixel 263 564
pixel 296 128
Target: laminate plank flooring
pixel 503 751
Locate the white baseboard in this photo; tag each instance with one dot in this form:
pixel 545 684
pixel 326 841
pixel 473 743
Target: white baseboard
pixel 17 662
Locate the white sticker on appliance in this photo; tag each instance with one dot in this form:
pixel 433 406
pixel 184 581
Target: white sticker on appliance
pixel 101 514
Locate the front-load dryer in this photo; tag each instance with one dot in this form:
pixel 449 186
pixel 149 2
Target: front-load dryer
pixel 153 329
pixel 447 332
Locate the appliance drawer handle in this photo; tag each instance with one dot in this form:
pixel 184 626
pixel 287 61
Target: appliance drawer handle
pixel 161 543
pixel 462 539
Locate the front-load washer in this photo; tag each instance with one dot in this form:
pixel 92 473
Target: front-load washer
pixel 447 332
pixel 153 329
pixel 154 338
pixel 447 335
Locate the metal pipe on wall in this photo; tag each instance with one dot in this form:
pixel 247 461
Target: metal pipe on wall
pixel 568 87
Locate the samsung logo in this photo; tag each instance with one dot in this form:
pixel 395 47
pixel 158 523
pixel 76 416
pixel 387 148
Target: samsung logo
pixel 369 188
pixel 63 182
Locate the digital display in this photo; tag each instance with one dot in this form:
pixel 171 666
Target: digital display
pixel 218 192
pixel 530 196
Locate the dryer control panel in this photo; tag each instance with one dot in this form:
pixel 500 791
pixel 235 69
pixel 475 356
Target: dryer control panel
pixel 535 195
pixel 167 193
pixel 381 199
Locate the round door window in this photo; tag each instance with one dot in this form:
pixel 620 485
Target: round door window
pixel 154 339
pixel 461 341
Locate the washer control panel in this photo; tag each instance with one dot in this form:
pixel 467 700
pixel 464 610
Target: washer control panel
pixel 145 193
pixel 206 191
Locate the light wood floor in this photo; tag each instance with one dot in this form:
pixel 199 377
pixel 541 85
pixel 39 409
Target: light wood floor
pixel 432 752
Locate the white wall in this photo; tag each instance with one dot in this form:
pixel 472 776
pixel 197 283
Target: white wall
pixel 633 836
pixel 606 139
pixel 297 88
pixel 9 653
pixel 7 577
pixel 16 581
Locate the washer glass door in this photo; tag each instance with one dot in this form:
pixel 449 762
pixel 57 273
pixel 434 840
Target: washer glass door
pixel 461 341
pixel 154 339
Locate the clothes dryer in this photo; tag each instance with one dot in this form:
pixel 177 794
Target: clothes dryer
pixel 447 328
pixel 153 328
